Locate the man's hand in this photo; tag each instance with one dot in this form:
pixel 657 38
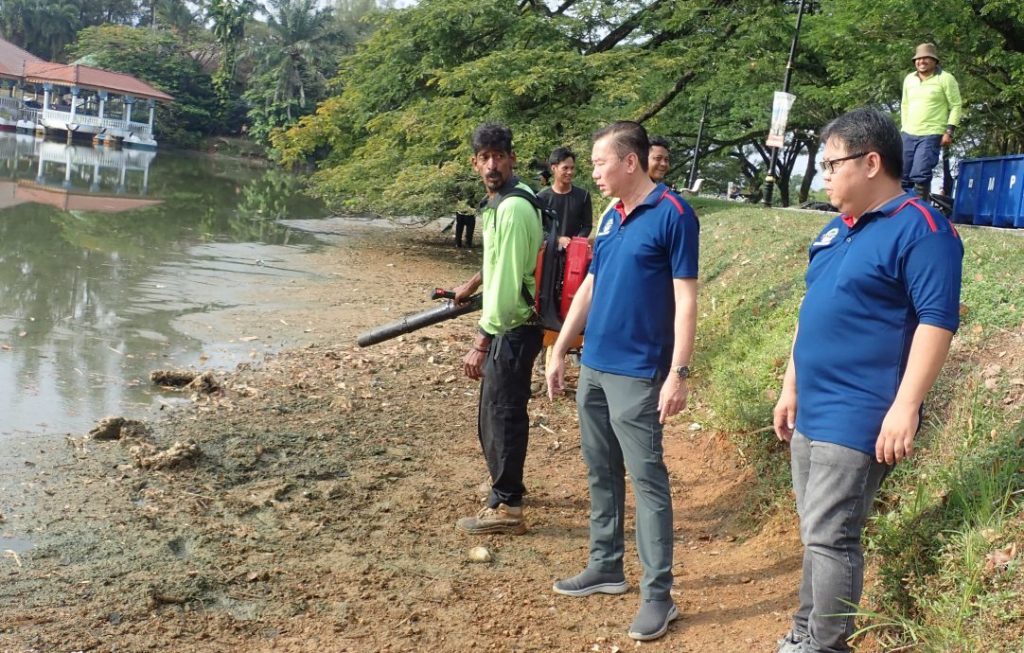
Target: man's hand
pixel 784 415
pixel 473 364
pixel 462 292
pixel 947 140
pixel 672 397
pixel 473 361
pixel 563 242
pixel 896 440
pixel 554 374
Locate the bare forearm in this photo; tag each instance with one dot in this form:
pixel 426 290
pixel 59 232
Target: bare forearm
pixel 685 323
pixel 928 352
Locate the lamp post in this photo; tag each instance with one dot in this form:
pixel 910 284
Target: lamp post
pixel 696 147
pixel 769 181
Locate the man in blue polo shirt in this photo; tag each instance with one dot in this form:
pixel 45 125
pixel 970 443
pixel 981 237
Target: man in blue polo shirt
pixel 639 304
pixel 882 304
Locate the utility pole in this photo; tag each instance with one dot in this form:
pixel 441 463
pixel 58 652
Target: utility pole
pixel 769 181
pixel 696 147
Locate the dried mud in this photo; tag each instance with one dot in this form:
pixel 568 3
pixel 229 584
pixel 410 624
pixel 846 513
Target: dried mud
pixel 313 508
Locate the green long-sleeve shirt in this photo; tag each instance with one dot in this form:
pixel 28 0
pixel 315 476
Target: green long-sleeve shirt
pixel 928 105
pixel 512 237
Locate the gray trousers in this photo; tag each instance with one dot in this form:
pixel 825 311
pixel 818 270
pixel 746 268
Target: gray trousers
pixel 620 432
pixel 835 487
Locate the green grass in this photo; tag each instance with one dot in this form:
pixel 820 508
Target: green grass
pixel 752 266
pixel 942 513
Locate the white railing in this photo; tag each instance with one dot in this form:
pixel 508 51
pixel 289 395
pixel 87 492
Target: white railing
pixel 139 128
pixel 10 103
pixel 55 152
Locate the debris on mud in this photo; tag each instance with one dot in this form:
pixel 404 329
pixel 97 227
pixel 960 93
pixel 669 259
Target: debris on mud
pixel 172 378
pixel 116 428
pixel 160 597
pixel 205 384
pixel 148 457
pixel 200 383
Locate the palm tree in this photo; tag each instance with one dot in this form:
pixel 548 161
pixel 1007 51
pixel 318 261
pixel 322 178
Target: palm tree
pixel 42 28
pixel 228 17
pixel 292 63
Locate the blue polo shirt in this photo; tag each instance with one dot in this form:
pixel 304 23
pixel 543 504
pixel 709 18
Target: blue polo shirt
pixel 630 325
pixel 869 285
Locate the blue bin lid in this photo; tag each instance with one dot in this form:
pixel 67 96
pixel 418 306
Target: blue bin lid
pixel 1008 157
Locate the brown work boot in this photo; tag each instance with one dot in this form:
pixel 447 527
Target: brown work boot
pixel 503 519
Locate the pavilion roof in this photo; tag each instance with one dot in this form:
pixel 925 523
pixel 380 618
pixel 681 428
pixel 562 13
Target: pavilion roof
pixel 92 78
pixel 30 191
pixel 13 60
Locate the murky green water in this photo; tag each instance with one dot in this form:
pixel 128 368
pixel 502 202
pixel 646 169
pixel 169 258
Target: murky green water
pixel 102 251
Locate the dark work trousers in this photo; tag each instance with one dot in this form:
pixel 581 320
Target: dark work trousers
pixel 464 222
pixel 503 424
pixel 920 156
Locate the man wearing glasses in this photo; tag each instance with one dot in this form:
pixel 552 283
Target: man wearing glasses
pixel 929 113
pixel 881 307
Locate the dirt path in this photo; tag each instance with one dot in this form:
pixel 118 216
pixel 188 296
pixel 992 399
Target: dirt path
pixel 319 514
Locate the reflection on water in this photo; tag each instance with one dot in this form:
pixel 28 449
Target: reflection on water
pixel 101 250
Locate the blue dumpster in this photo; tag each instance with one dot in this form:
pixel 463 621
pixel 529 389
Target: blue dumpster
pixel 1009 210
pixel 965 199
pixel 990 191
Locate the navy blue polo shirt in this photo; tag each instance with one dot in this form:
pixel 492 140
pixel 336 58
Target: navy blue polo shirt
pixel 869 284
pixel 630 325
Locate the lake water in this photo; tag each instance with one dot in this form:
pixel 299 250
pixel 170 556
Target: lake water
pixel 105 253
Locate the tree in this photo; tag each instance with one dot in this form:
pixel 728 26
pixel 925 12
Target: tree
pixel 228 18
pixel 159 58
pixel 392 137
pixel 292 64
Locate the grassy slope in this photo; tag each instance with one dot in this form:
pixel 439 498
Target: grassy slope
pixel 941 516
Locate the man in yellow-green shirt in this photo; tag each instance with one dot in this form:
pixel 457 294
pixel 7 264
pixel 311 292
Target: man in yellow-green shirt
pixel 929 113
pixel 508 339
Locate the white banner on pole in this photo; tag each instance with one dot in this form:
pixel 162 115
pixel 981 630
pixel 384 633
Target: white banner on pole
pixel 780 116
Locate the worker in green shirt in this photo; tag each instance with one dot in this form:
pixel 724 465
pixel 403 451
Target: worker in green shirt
pixel 929 113
pixel 508 339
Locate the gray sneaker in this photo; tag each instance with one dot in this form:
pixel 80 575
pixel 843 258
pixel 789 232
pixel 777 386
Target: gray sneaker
pixel 793 642
pixel 652 620
pixel 590 581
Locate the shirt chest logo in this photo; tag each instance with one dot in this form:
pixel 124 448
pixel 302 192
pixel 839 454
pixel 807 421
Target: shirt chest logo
pixel 606 228
pixel 826 238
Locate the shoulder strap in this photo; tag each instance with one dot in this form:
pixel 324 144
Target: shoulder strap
pixel 519 192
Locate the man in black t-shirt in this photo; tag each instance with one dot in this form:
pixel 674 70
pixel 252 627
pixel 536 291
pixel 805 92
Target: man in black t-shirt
pixel 572 203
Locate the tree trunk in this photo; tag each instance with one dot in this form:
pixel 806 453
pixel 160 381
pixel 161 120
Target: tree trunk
pixel 813 144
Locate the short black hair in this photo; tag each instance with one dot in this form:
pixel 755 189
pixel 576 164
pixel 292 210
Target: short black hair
pixel 627 136
pixel 491 136
pixel 869 130
pixel 560 154
pixel 660 141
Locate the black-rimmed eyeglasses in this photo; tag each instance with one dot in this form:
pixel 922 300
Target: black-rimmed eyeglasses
pixel 829 166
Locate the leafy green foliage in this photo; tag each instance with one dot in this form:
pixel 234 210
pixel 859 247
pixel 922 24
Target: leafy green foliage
pixel 228 18
pixel 396 135
pixel 292 63
pixel 159 58
pixel 411 94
